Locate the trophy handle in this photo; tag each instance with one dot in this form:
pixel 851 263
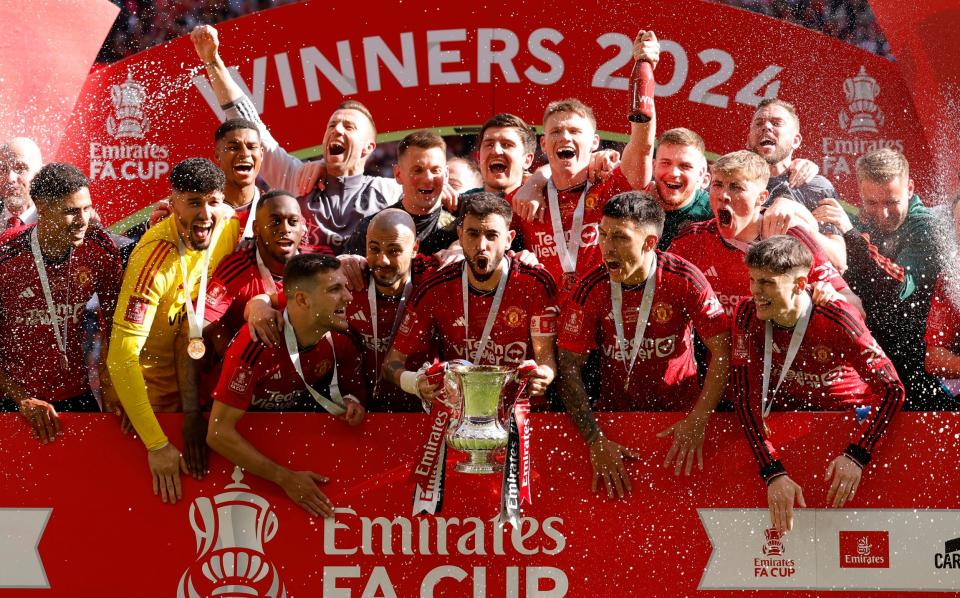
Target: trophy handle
pixel 454 397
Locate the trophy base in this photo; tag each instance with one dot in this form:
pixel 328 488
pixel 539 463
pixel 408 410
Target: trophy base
pixel 480 462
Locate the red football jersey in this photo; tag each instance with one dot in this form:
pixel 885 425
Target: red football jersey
pixel 722 262
pixel 28 346
pixel 538 236
pixel 839 366
pixel 256 378
pixel 237 280
pixel 388 396
pixel 664 376
pixel 528 310
pixel 943 322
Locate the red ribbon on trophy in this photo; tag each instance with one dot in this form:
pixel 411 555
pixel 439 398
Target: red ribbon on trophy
pixel 429 468
pixel 516 488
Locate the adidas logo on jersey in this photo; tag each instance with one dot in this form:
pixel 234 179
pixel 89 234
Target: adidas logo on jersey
pixel 711 272
pixel 360 316
pixel 27 293
pixel 460 322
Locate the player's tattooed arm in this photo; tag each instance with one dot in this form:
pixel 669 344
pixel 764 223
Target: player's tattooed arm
pixel 574 395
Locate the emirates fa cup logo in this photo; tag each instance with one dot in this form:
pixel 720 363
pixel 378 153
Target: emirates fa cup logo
pixel 774 544
pixel 862 114
pixel 128 120
pixel 231 530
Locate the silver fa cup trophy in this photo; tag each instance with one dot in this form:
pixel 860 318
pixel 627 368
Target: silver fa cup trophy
pixel 476 427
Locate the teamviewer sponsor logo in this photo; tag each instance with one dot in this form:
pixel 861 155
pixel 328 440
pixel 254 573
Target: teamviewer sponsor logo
pixel 865 549
pixel 950 557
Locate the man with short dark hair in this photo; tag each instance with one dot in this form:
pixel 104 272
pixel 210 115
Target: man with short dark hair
pixel 239 153
pixel 348 195
pixel 774 135
pixel 165 284
pixel 50 272
pixel 315 354
pixel 789 354
pixel 422 171
pixel 638 309
pixel 507 146
pixel 488 309
pixel 895 257
pixel 396 270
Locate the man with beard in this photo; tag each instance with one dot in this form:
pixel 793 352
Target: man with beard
pixel 791 355
pixel 422 171
pixel 737 194
pixel 508 314
pixel 774 136
pixel 348 195
pixel 165 282
pixel 19 162
pixel 895 259
pixel 316 369
pixel 50 272
pixel 242 275
pixel 638 309
pixel 396 270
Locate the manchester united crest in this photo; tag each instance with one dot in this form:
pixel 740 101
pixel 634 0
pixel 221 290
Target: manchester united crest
pixel 83 277
pixel 514 316
pixel 822 353
pixel 662 312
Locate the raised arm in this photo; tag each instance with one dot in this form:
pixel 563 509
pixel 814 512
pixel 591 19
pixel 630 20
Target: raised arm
pixel 637 160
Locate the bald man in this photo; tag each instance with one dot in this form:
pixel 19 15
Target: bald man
pixel 394 269
pixel 20 161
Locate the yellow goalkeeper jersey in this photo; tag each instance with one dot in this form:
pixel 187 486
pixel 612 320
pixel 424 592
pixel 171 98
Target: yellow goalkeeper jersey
pixel 150 313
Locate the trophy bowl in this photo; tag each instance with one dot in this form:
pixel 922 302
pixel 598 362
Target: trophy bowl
pixel 476 428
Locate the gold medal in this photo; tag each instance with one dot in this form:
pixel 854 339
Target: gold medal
pixel 196 348
pixel 64 361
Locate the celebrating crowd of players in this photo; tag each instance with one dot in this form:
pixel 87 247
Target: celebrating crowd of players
pixel 643 281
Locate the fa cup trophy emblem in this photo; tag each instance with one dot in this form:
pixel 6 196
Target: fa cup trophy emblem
pixel 128 99
pixel 864 116
pixel 231 530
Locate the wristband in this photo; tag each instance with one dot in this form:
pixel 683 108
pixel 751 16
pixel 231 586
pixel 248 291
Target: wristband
pixel 408 383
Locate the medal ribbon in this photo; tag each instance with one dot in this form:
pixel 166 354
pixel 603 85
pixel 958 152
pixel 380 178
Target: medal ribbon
pixel 515 489
pixel 491 315
pixel 265 274
pixel 248 227
pixel 643 316
pixel 429 469
pixel 48 295
pixel 806 310
pixel 567 252
pixel 195 315
pixel 334 406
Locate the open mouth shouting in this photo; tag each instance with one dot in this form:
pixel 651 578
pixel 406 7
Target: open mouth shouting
pixel 615 268
pixel 243 169
pixel 725 216
pixel 766 144
pixel 336 148
pixel 200 234
pixel 566 154
pixel 497 166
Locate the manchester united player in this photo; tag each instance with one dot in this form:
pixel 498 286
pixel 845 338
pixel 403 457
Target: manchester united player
pixel 566 240
pixel 717 246
pixel 176 255
pixel 51 271
pixel 422 170
pixel 507 145
pixel 257 378
pixel 488 309
pixel 638 309
pixel 348 195
pixel 789 354
pixel 395 272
